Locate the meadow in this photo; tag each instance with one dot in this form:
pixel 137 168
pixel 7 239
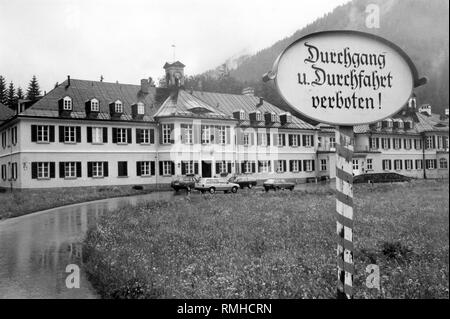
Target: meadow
pixel 273 245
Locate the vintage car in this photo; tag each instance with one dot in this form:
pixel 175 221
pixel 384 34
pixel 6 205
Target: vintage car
pixel 185 182
pixel 243 181
pixel 213 185
pixel 276 184
pixel 380 178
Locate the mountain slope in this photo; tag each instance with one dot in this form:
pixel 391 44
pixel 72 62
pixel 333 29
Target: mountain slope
pixel 419 27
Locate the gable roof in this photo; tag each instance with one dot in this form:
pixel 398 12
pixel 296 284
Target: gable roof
pixel 5 113
pixel 229 103
pixel 82 91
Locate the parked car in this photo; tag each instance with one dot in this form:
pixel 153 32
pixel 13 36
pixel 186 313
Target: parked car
pixel 243 181
pixel 213 185
pixel 185 182
pixel 380 178
pixel 276 184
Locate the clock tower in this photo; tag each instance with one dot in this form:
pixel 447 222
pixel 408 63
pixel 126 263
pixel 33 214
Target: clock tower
pixel 174 74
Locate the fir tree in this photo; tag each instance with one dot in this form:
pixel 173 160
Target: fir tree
pixel 19 94
pixel 33 91
pixel 3 90
pixel 11 96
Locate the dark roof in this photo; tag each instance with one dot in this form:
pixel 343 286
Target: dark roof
pixel 177 63
pixel 82 91
pixel 5 113
pixel 229 103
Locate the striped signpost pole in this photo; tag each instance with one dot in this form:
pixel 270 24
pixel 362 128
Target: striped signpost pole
pixel 344 209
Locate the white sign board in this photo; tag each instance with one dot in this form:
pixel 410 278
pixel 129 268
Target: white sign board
pixel 344 77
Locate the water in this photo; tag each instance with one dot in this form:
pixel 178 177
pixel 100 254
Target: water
pixel 35 249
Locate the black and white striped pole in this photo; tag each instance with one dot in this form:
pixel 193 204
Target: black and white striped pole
pixel 344 210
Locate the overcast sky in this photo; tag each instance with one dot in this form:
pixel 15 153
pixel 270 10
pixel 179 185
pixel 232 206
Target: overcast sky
pixel 128 40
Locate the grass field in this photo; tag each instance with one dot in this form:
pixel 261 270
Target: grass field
pixel 275 245
pixel 22 202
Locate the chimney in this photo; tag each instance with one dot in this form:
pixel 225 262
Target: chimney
pixel 261 102
pixel 446 112
pixel 68 81
pixel 145 86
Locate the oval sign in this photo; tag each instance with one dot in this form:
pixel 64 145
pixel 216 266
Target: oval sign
pixel 345 77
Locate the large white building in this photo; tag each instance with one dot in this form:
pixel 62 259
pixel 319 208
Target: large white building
pixel 89 133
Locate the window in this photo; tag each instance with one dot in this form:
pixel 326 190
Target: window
pixel 439 142
pixel 445 141
pixel 188 167
pixel 443 163
pixel 246 139
pixel 4 172
pixel 122 169
pixel 263 139
pixel 95 105
pixel 4 139
pixel 145 136
pixel 319 141
pixel 386 143
pixel 295 165
pixel 121 135
pixel 221 167
pixel 430 164
pixel 374 143
pixel 281 140
pixel 145 168
pixel 418 144
pixel 43 170
pixel 97 135
pixel 419 164
pixel 14 171
pixel 264 166
pixel 167 168
pixel 167 134
pixel 387 165
pixel 14 135
pixel 332 142
pixel 206 134
pixel 188 134
pixel 69 134
pixel 308 140
pixel 140 108
pixel 248 167
pixel 42 133
pixel 293 139
pixel 398 165
pixel 397 143
pixel 67 104
pixel 281 166
pixel 97 169
pixel 118 107
pixel 407 143
pixel 355 164
pixel 429 142
pixel 408 165
pixel 222 135
pixel 70 170
pixel 369 164
pixel 308 165
pixel 323 164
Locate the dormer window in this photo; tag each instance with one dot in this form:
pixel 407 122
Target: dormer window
pixel 258 116
pixel 241 114
pixel 118 107
pixel 67 104
pixel 95 105
pixel 140 108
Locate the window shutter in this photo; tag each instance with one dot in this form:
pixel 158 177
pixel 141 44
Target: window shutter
pixel 152 136
pixel 268 139
pixel 52 169
pixel 275 139
pixel 258 138
pixel 243 167
pixel 299 165
pixel 152 168
pixel 435 163
pixel 290 139
pixel 125 168
pixel 304 165
pixel 303 140
pixel 370 142
pixel 252 139
pixel 105 135
pixel 312 144
pixel 229 167
pixel 239 138
pixel 283 137
pixel 52 133
pixel 196 133
pixel 161 172
pixel 138 169
pixel 61 170
pixel 129 136
pixel 89 134
pixel 253 167
pixel 183 168
pixel 384 165
pixel 105 169
pixel 216 135
pixel 138 136
pixel 291 164
pixel 172 168
pixel 114 135
pixel 182 132
pixel 228 135
pixel 34 170
pixel 78 164
pixel 78 134
pixel 34 133
pixel 217 168
pixel 89 169
pixel 172 133
pixel 61 134
pixel 434 141
pixel 313 165
pixel 389 143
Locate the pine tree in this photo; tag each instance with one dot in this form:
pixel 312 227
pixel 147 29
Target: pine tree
pixel 11 96
pixel 2 90
pixel 19 94
pixel 33 91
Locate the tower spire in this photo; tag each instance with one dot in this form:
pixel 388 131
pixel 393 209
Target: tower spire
pixel 173 52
